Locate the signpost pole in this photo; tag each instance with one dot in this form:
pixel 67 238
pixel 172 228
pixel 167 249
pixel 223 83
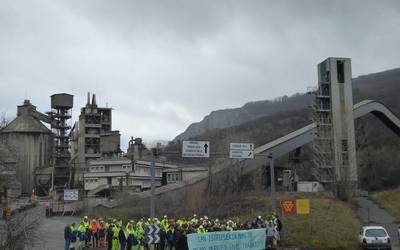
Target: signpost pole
pixel 152 195
pixel 272 174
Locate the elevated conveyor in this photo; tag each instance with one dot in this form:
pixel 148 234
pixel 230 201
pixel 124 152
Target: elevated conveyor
pixel 282 146
pixel 300 137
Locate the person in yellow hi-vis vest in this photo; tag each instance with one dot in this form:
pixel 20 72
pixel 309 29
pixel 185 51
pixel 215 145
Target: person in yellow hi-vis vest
pixel 139 235
pixel 82 235
pixel 115 240
pixel 131 239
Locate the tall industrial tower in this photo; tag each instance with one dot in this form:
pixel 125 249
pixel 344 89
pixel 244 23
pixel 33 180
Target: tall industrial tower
pixel 335 150
pixel 61 105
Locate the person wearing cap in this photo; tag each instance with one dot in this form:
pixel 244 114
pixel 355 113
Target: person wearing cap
pixel 277 225
pixel 201 229
pixel 165 223
pixel 101 234
pixel 74 245
pixel 67 237
pixel 82 235
pixel 110 236
pixel 131 239
pixel 259 222
pixel 115 239
pixel 170 237
pixel 94 233
pixel 87 233
pixel 230 225
pixel 194 220
pixel 270 231
pixel 121 237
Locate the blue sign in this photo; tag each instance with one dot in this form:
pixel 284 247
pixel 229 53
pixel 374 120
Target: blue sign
pixel 228 240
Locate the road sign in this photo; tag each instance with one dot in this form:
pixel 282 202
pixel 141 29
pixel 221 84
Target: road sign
pixel 152 234
pixel 241 146
pixel 288 206
pixel 152 229
pixel 71 194
pixel 196 149
pixel 303 206
pixel 241 150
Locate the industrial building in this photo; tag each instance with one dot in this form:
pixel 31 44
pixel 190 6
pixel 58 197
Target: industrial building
pixel 120 173
pixel 31 142
pixel 334 148
pixel 9 184
pixel 42 151
pixel 92 138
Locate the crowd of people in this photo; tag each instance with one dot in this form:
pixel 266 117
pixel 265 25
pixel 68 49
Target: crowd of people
pixel 114 234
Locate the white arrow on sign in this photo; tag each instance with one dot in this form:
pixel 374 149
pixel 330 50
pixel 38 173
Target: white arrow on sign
pixel 152 229
pixel 196 149
pixel 152 238
pixel 156 229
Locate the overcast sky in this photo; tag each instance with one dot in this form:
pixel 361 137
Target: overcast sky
pixel 165 64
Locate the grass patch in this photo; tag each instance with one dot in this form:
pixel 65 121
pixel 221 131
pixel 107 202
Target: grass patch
pixel 389 200
pixel 332 224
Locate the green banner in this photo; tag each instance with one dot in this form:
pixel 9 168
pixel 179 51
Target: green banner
pixel 228 240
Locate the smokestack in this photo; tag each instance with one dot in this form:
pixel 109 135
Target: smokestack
pixel 94 100
pixel 88 99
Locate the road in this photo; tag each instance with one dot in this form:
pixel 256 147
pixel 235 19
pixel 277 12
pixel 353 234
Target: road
pixel 370 213
pixel 50 233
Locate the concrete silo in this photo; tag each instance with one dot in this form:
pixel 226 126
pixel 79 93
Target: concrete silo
pixel 31 141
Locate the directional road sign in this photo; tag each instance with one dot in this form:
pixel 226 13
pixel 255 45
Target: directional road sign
pixel 241 150
pixel 152 234
pixel 196 149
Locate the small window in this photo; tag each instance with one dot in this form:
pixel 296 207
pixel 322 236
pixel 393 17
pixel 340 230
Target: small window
pixel 345 146
pixel 340 71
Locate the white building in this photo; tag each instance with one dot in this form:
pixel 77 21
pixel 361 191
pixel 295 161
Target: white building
pixel 121 173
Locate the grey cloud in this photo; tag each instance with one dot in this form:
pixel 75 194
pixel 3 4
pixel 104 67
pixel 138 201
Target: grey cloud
pixel 165 64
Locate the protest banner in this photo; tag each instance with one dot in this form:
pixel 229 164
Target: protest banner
pixel 228 240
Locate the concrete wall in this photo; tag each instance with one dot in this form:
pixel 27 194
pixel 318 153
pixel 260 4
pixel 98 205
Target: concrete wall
pixel 33 151
pixel 110 142
pixel 343 121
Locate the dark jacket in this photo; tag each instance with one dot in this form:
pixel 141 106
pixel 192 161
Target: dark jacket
pixel 109 235
pixel 121 236
pixel 170 236
pixel 182 242
pixel 67 232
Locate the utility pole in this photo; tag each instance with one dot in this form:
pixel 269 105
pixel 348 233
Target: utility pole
pixel 272 174
pixel 131 146
pixel 152 195
pixel 209 179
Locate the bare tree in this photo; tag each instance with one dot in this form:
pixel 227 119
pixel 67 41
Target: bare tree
pixel 19 229
pixel 4 121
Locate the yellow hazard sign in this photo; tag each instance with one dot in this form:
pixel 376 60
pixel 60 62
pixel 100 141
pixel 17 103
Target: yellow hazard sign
pixel 303 206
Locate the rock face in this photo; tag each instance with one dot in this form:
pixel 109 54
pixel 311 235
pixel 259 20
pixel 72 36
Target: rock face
pixel 253 110
pixel 250 111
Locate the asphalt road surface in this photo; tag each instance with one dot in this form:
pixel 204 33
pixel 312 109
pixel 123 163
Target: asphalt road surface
pixel 50 234
pixel 371 214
